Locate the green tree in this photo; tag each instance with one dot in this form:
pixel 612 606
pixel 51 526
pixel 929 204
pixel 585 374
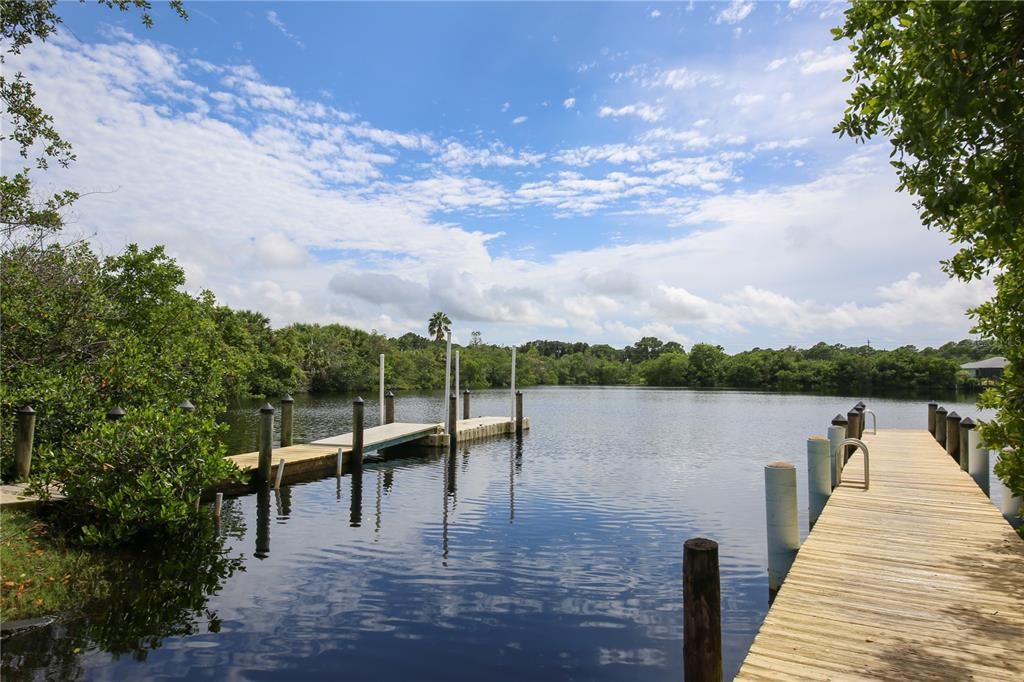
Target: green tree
pixel 945 83
pixel 439 325
pixel 706 364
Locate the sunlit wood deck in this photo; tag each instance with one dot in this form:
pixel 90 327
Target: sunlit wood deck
pixel 917 578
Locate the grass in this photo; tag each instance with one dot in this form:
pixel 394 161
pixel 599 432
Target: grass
pixel 40 573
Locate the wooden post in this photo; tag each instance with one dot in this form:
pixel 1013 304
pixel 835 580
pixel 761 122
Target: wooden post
pixel 965 446
pixel 852 431
pixel 356 464
pixel 287 419
pixel 266 442
pixel 931 417
pixel 389 407
pixel 187 406
pixel 519 414
pixel 860 407
pixel 23 444
pixel 940 425
pixel 702 611
pixel 114 413
pixel 953 436
pixel 819 480
pixel 453 411
pixel 836 434
pixel 465 403
pixel 782 522
pixel 978 460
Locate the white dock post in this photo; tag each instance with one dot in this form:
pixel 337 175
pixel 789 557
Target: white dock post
pixel 512 389
pixel 381 390
pixel 447 379
pixel 1009 504
pixel 218 504
pixel 280 474
pixel 819 480
pixel 836 434
pixel 457 365
pixel 782 521
pixel 977 463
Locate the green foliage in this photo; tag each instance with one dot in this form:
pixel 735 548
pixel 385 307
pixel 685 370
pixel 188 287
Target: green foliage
pixel 945 83
pixel 136 476
pixel 439 325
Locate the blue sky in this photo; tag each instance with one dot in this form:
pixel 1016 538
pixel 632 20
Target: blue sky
pixel 581 171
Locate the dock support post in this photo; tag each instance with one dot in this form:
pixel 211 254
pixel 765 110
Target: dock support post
pixel 702 611
pixel 852 431
pixel 953 436
pixel 836 434
pixel 940 425
pixel 280 474
pixel 447 379
pixel 380 393
pixel 512 385
pixel 966 425
pixel 266 441
pixel 457 366
pixel 389 407
pixel 287 419
pixel 23 446
pixel 1009 504
pixel 931 417
pixel 782 520
pixel 357 434
pixel 519 414
pixel 453 412
pixel 860 407
pixel 978 460
pixel 819 478
pixel 465 403
pixel 218 504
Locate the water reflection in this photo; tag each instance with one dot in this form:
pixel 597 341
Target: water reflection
pixel 355 509
pixel 262 522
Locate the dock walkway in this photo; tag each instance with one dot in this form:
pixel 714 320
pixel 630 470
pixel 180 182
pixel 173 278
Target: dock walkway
pixel 917 578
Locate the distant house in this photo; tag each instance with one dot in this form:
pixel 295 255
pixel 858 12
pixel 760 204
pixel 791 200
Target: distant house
pixel 989 368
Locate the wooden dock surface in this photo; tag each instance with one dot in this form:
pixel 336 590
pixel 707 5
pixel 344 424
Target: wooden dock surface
pixel 917 578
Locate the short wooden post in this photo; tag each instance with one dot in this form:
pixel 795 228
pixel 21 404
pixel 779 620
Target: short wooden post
pixel 389 407
pixel 356 463
pixel 465 404
pixel 702 611
pixel 782 522
pixel 280 474
pixel 519 414
pixel 287 419
pixel 836 434
pixel 852 431
pixel 115 413
pixel 187 406
pixel 953 436
pixel 453 413
pixel 266 442
pixel 940 425
pixel 860 407
pixel 23 444
pixel 965 446
pixel 218 504
pixel 978 460
pixel 819 480
pixel 931 417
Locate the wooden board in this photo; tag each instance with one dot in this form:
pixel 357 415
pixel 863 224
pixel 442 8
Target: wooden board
pixel 918 577
pixel 384 436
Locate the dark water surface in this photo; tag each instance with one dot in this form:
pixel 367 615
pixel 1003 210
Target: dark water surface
pixel 555 559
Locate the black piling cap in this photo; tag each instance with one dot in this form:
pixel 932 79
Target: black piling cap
pixel 518 392
pixel 967 423
pixel 839 420
pixel 933 404
pixel 389 394
pixel 940 409
pixel 451 396
pixel 115 413
pixel 465 391
pixel 26 410
pixel 860 406
pixel 952 415
pixel 287 399
pixel 267 409
pixel 187 406
pixel 358 401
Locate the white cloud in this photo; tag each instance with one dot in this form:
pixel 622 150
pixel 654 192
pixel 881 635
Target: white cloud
pixel 655 13
pixel 737 11
pixel 747 99
pixel 277 23
pixel 505 107
pixel 610 153
pixel 458 155
pixel 647 112
pixel 519 119
pixel 569 102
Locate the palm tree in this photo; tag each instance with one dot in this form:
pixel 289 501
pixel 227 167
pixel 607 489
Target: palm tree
pixel 439 325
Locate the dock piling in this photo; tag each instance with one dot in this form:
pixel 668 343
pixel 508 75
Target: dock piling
pixel 940 425
pixel 860 407
pixel 1009 504
pixel 338 462
pixel 381 419
pixel 953 435
pixel 978 460
pixel 266 441
pixel 280 474
pixel 218 504
pixel 702 611
pixel 819 476
pixel 519 414
pixel 836 434
pixel 357 434
pixel 852 431
pixel 465 403
pixel 389 407
pixel 966 425
pixel 23 446
pixel 782 522
pixel 287 419
pixel 931 417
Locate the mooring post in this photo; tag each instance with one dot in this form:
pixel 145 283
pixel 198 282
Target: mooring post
pixel 781 518
pixel 512 384
pixel 931 417
pixel 447 379
pixel 187 406
pixel 978 460
pixel 1009 504
pixel 852 431
pixel 836 434
pixel 389 407
pixel 115 413
pixel 23 445
pixel 453 412
pixel 965 444
pixel 287 419
pixel 702 611
pixel 280 474
pixel 860 407
pixel 381 419
pixel 953 436
pixel 519 414
pixel 218 504
pixel 940 425
pixel 819 478
pixel 356 463
pixel 266 441
pixel 465 403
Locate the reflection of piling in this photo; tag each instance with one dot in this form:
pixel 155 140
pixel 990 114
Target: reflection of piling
pixel 450 487
pixel 978 460
pixel 23 445
pixel 781 518
pixel 702 611
pixel 965 446
pixel 819 480
pixel 266 441
pixel 453 415
pixel 519 414
pixel 287 419
pixel 465 404
pixel 262 522
pixel 389 407
pixel 355 508
pixel 953 436
pixel 356 461
pixel 940 425
pixel 931 417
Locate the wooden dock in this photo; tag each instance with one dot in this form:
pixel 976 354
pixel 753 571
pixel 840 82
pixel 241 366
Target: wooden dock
pixel 917 578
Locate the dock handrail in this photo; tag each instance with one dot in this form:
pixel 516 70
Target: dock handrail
pixel 839 454
pixel 874 421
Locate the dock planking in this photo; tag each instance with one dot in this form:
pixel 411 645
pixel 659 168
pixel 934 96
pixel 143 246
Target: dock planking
pixel 918 577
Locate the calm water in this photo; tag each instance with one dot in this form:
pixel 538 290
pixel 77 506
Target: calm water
pixel 555 559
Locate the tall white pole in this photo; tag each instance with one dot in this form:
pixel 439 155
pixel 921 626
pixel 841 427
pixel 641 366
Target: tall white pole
pixel 512 388
pixel 381 388
pixel 457 394
pixel 447 379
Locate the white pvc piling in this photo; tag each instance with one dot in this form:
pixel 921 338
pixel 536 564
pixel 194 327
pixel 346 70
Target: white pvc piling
pixel 512 389
pixel 1009 504
pixel 781 518
pixel 218 504
pixel 819 476
pixel 457 394
pixel 338 463
pixel 381 387
pixel 280 474
pixel 977 462
pixel 836 434
pixel 447 379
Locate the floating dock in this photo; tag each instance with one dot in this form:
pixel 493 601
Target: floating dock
pixel 919 577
